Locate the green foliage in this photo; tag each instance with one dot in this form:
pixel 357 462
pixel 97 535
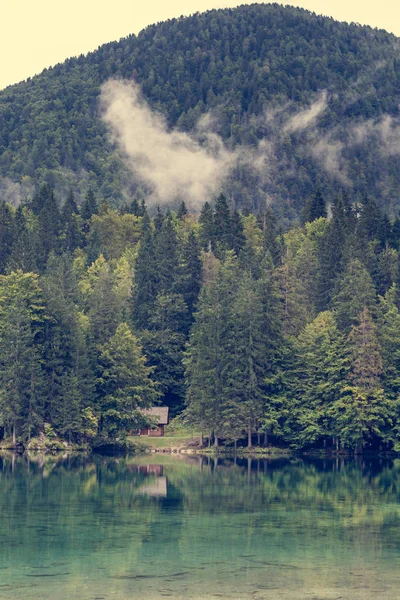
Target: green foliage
pixel 118 310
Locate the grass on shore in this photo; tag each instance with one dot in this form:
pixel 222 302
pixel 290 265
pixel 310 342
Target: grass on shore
pixel 167 441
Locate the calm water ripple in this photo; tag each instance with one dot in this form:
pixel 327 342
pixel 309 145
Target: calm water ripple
pixel 198 529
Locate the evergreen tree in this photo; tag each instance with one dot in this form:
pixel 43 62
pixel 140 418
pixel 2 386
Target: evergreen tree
pixel 22 321
pixel 222 226
pixel 270 236
pixel 125 384
pixel 315 208
pixel 71 226
pixel 332 250
pixel 166 251
pixel 182 211
pixel 320 370
pixel 362 410
pixel 163 345
pixel 49 225
pixel 246 375
pixel 207 227
pixel 26 243
pixel 207 361
pixel 354 291
pixel 89 208
pixel 7 233
pixel 146 283
pixel 388 331
pixel 237 237
pixel 188 282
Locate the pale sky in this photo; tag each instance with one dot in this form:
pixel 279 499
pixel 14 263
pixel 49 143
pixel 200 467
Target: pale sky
pixel 39 33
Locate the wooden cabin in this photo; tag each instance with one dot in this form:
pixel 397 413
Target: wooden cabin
pixel 160 416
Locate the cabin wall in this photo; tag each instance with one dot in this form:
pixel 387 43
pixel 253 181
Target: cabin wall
pixel 157 432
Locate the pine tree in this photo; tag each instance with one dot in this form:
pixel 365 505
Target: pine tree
pixel 182 211
pixel 89 208
pixel 7 234
pixel 188 282
pixel 315 208
pixel 362 411
pixel 388 331
pixel 246 375
pixel 332 250
pixel 270 237
pixel 320 370
pixel 354 291
pixel 146 281
pixel 26 242
pixel 207 358
pixel 71 225
pixel 237 238
pixel 125 383
pixel 49 223
pixel 163 345
pixel 22 322
pixel 166 251
pixel 207 227
pixel 222 227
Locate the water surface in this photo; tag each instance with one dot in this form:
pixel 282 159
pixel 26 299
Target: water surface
pixel 109 528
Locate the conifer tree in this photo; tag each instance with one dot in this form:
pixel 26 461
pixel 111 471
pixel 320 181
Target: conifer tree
pixel 166 250
pixel 182 211
pixel 164 344
pixel 246 374
pixel 125 384
pixel 362 411
pixel 315 208
pixel 354 292
pixel 208 359
pixel 188 282
pixel 207 227
pixel 89 208
pixel 71 225
pixel 270 236
pixel 26 242
pixel 146 282
pixel 388 331
pixel 237 237
pixel 222 226
pixel 320 370
pixel 7 234
pixel 23 316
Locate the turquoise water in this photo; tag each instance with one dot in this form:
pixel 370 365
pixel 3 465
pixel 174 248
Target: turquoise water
pixel 107 528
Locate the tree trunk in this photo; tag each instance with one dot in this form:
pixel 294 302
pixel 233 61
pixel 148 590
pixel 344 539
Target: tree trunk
pixel 216 442
pixel 249 437
pixel 235 445
pixel 201 439
pixel 14 436
pixel 258 438
pixel 265 439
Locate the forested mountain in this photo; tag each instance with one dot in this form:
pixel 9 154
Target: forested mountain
pixel 316 101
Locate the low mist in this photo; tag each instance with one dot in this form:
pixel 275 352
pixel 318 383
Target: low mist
pixel 171 163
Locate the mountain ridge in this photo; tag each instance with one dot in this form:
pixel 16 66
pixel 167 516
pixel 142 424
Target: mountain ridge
pixel 237 64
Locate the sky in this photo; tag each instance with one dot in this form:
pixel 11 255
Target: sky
pixel 36 34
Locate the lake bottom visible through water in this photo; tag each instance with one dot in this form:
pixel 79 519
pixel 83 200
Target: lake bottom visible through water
pixel 198 529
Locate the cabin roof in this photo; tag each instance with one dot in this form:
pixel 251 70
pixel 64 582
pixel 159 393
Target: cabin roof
pixel 161 413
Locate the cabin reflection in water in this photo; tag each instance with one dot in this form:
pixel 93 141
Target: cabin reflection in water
pixel 157 485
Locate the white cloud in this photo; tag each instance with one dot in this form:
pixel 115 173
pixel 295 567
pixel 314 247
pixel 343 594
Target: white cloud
pixel 171 163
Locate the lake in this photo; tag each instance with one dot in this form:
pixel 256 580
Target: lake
pixel 196 528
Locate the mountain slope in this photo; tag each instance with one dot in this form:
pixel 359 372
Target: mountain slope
pixel 254 68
